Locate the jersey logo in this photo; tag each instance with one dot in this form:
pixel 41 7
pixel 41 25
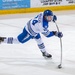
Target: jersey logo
pixel 45 27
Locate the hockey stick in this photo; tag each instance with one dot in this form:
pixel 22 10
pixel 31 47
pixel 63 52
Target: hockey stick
pixel 60 65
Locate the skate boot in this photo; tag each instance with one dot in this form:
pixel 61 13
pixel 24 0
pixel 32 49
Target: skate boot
pixel 45 54
pixel 2 39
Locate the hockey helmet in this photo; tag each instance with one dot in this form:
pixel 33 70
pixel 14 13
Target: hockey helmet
pixel 48 13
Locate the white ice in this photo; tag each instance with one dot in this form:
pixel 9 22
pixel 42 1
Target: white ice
pixel 26 59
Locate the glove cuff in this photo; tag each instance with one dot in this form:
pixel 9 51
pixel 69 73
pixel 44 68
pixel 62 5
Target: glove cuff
pixel 54 32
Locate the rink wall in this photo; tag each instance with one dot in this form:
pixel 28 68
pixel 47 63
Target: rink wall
pixel 29 6
pixel 30 10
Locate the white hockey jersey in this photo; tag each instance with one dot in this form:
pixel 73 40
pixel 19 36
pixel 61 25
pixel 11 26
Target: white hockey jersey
pixel 37 25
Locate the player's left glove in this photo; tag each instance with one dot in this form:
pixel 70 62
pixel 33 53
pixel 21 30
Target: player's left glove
pixel 54 18
pixel 58 34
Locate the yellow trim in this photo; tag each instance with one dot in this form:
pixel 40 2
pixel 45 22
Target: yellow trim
pixel 40 9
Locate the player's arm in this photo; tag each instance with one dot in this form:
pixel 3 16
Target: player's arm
pixel 47 33
pixel 52 33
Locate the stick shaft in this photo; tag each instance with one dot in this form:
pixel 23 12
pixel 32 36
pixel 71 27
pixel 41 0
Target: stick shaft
pixel 60 44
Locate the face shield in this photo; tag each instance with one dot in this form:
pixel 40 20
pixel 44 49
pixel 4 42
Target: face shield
pixel 49 18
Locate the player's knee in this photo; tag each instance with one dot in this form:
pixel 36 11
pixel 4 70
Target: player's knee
pixel 19 39
pixel 22 38
pixel 38 36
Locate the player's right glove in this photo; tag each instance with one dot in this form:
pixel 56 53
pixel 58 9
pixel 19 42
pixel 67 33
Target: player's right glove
pixel 58 34
pixel 54 18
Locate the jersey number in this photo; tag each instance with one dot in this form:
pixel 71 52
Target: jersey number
pixel 34 22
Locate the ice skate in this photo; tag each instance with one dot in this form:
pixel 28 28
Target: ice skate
pixel 45 54
pixel 2 39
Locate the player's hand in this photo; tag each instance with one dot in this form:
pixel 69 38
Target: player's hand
pixel 58 34
pixel 54 18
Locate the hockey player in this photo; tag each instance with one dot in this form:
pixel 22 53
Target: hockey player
pixel 32 30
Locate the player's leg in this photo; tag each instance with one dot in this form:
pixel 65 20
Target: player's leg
pixel 22 38
pixel 9 40
pixel 42 46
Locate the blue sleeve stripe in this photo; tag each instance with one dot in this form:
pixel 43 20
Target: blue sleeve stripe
pixel 50 34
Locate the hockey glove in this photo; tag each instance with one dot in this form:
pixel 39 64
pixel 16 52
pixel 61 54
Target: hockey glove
pixel 54 18
pixel 58 34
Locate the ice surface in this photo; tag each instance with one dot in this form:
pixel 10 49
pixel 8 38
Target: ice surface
pixel 26 59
